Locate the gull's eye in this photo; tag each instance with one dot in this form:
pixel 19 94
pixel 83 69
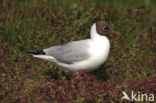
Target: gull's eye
pixel 105 28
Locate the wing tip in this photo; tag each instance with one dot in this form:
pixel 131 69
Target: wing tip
pixel 35 52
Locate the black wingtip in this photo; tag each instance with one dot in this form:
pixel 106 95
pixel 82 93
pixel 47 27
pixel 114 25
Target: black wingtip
pixel 35 52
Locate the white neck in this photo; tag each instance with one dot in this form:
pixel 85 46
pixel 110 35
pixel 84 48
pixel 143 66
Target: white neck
pixel 93 32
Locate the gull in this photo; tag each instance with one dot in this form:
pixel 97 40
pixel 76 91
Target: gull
pixel 74 56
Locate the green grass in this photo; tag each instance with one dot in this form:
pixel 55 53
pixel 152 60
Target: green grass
pixel 38 24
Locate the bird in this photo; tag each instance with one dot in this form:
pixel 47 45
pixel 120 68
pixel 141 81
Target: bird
pixel 75 56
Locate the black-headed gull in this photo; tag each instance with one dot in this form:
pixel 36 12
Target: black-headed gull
pixel 88 54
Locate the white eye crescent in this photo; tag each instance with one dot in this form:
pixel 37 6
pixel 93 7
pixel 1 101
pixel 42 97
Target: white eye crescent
pixel 105 28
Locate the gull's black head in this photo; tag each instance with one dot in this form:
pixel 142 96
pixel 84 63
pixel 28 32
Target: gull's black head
pixel 103 28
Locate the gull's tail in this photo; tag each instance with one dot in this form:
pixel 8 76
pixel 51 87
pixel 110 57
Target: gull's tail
pixel 40 54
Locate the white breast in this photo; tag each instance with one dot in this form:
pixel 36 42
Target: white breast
pixel 99 50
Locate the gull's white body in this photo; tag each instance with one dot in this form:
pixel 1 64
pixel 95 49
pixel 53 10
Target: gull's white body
pixel 98 50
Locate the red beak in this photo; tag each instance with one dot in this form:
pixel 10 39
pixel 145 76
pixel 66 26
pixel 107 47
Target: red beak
pixel 114 32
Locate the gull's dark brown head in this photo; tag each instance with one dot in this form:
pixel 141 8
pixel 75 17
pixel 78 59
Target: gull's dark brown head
pixel 103 28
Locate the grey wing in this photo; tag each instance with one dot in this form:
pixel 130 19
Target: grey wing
pixel 71 52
